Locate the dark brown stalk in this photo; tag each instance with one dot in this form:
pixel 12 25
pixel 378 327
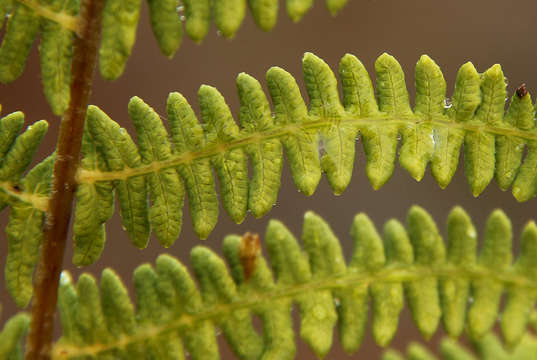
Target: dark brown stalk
pixel 63 188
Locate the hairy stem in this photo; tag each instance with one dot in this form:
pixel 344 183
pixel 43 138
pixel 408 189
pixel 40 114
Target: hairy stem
pixel 63 188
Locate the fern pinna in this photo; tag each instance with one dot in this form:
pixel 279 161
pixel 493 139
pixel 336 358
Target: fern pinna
pixel 487 348
pixel 57 22
pixel 321 139
pixel 413 264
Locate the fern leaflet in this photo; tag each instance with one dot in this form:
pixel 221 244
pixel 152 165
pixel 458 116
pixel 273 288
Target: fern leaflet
pixel 488 348
pixel 494 143
pixel 11 336
pixel 412 264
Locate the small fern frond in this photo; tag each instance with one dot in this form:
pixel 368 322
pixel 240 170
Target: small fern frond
pixel 487 348
pixel 494 144
pixel 57 22
pixel 11 337
pixel 437 282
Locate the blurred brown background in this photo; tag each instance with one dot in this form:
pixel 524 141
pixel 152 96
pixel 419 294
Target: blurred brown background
pixel 485 32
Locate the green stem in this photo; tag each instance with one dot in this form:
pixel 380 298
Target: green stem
pixel 90 176
pixel 64 185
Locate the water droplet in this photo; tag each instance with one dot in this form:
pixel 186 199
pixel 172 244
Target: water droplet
pixel 447 103
pixel 180 9
pixel 218 33
pixel 182 18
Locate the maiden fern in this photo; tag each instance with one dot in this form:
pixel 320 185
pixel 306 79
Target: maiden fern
pixel 452 283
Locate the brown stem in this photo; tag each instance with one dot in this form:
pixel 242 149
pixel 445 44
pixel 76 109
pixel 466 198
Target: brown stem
pixel 63 187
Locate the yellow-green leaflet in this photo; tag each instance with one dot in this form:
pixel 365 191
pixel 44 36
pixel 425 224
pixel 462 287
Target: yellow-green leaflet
pixel 479 147
pixel 11 336
pixel 509 149
pixel 488 347
pixel 56 53
pixel 166 25
pixel 119 23
pixel 94 206
pixel 187 135
pixel 228 15
pixel 231 166
pixel 24 234
pixel 21 31
pixel 336 141
pixel 266 156
pixel 166 187
pixel 297 8
pixel 301 146
pixel 265 13
pixel 198 17
pixel 120 152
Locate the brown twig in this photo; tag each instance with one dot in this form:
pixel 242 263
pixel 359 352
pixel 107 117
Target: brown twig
pixel 63 188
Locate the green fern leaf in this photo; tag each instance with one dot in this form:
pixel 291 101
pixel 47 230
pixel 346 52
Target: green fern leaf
pixel 197 18
pixel 231 166
pixel 265 13
pixel 95 205
pixel 187 136
pixel 255 116
pixel 119 24
pixel 11 336
pixel 24 234
pixel 122 154
pixel 28 198
pixel 509 149
pixel 297 8
pixel 323 137
pixel 166 25
pixel 21 31
pixel 479 149
pixel 411 264
pixel 487 348
pixel 165 186
pixel 337 141
pixel 300 145
pixel 56 54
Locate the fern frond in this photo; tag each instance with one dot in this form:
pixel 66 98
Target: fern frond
pixel 487 348
pixel 11 336
pixel 120 21
pixel 57 23
pixel 436 280
pixel 494 142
